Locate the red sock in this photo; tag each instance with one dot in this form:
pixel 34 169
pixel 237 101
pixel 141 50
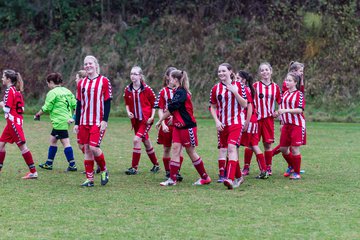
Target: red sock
pixel 276 150
pixel 222 165
pixel 29 161
pixel 247 156
pixel 181 161
pixel 231 169
pixel 199 165
pixel 238 173
pixel 289 159
pixel 261 162
pixel 297 163
pixel 151 153
pixel 136 158
pixel 2 158
pixel 174 169
pixel 166 162
pixel 89 169
pixel 268 158
pixel 100 160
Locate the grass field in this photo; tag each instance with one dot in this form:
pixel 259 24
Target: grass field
pixel 323 205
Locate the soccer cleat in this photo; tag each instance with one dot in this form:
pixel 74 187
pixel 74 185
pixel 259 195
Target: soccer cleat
pixel 229 183
pixel 30 175
pixel 238 181
pixel 269 171
pixel 87 183
pixel 71 168
pixel 168 182
pixel 246 171
pixel 288 172
pixel 46 166
pixel 202 181
pixel 263 175
pixel 295 176
pixel 221 179
pixel 131 171
pixel 104 178
pixel 179 178
pixel 155 169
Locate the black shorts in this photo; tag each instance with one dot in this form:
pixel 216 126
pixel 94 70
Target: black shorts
pixel 60 134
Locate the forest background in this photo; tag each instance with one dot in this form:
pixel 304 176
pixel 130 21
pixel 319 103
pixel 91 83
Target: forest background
pixel 38 37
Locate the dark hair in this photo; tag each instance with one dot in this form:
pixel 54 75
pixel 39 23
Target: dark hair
pixel 166 75
pixel 296 78
pixel 230 68
pixel 183 79
pixel 55 77
pixel 248 81
pixel 15 79
pixel 294 66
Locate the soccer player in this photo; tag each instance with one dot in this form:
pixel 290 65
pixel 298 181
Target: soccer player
pixel 185 131
pixel 140 102
pixel 13 106
pixel 59 103
pixel 165 132
pixel 293 130
pixel 227 99
pixel 94 94
pixel 298 69
pixel 250 137
pixel 267 94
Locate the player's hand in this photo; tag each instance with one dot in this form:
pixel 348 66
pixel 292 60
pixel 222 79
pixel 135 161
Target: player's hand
pixel 37 117
pixel 103 125
pixel 164 127
pixel 2 104
pixel 170 120
pixel 232 88
pixel 157 125
pixel 70 121
pixel 76 129
pixel 130 115
pixel 219 126
pixel 246 125
pixel 150 120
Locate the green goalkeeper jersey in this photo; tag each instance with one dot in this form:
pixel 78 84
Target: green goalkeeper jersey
pixel 59 103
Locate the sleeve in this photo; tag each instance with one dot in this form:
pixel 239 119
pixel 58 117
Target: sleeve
pixel 213 95
pixel 151 96
pixel 161 103
pixel 248 95
pixel 49 102
pixel 126 96
pixel 78 112
pixel 107 107
pixel 301 101
pixel 107 89
pixel 178 100
pixel 78 90
pixel 72 102
pixel 8 99
pixel 242 90
pixel 278 95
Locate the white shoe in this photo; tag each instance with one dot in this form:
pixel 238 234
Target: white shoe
pixel 30 175
pixel 168 182
pixel 229 183
pixel 238 182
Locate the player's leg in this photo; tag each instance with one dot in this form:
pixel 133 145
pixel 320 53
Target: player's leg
pixel 2 154
pixel 29 161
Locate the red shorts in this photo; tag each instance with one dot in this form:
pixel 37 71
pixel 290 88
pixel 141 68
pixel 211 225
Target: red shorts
pixel 266 130
pixel 90 134
pixel 141 129
pixel 13 133
pixel 229 135
pixel 187 136
pixel 165 138
pixel 250 137
pixel 292 135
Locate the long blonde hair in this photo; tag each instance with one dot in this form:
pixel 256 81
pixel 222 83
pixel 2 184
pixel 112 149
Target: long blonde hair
pixel 15 79
pixel 183 79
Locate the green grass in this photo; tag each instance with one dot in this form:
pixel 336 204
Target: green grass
pixel 323 205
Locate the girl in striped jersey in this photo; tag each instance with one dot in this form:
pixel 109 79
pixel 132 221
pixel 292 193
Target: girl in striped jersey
pixel 13 106
pixel 140 102
pixel 165 132
pixel 298 69
pixel 293 131
pixel 185 131
pixel 228 97
pixel 250 137
pixel 93 95
pixel 267 93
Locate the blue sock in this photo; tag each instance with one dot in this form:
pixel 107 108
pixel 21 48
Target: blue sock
pixel 69 156
pixel 51 155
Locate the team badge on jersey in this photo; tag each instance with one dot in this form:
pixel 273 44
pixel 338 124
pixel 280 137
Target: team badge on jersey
pixel 219 97
pixel 261 95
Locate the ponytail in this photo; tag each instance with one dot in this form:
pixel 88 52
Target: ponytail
pixel 19 82
pixel 15 79
pixel 182 78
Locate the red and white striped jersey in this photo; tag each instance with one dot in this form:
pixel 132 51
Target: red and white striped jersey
pixel 265 98
pixel 13 105
pixel 229 110
pixel 253 125
pixel 92 93
pixel 293 100
pixel 164 98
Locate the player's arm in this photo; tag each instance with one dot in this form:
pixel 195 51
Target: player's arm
pixel 213 111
